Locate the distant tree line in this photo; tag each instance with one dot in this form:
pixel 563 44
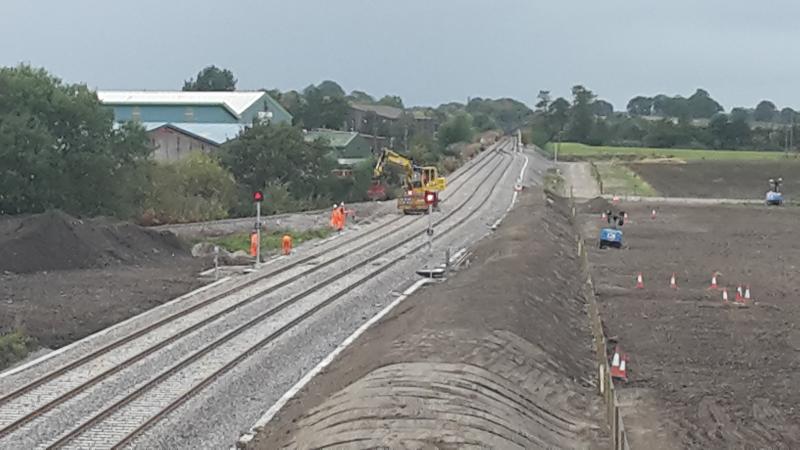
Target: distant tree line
pixel 61 149
pixel 661 121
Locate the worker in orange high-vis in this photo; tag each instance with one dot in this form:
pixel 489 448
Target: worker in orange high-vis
pixel 286 244
pixel 254 243
pixel 339 220
pixel 335 217
pixel 342 215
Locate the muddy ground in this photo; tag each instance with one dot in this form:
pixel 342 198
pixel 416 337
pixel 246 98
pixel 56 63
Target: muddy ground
pixel 499 356
pixel 62 278
pixel 704 374
pixel 721 179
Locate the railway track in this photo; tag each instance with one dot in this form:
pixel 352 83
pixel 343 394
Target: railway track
pixel 44 402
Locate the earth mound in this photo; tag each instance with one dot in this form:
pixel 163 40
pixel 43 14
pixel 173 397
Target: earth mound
pixel 57 241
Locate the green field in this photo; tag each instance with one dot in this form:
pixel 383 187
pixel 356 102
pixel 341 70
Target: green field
pixel 618 179
pixel 570 151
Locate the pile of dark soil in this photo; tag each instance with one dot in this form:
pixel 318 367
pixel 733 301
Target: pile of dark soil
pixel 596 205
pixel 57 241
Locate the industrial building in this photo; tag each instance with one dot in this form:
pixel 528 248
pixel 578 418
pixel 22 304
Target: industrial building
pixel 180 122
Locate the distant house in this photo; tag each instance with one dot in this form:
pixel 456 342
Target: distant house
pixel 359 114
pixel 348 147
pixel 179 122
pixel 173 141
pixel 194 107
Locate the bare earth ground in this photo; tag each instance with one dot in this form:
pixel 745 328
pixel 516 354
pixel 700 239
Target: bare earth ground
pixel 704 374
pixel 62 278
pixel 60 307
pixel 578 177
pixel 499 356
pixel 721 179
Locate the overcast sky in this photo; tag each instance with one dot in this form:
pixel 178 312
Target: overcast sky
pixel 427 51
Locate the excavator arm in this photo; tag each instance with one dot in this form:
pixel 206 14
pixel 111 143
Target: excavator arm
pixel 392 157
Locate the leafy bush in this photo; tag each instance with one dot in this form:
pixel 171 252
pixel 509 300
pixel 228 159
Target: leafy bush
pixel 193 189
pixel 14 347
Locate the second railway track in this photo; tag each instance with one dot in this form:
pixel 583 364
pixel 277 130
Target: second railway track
pixel 63 395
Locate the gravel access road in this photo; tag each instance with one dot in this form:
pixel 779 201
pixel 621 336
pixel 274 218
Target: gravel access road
pixel 201 378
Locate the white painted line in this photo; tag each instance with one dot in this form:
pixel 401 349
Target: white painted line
pixel 270 414
pixel 104 331
pixel 513 197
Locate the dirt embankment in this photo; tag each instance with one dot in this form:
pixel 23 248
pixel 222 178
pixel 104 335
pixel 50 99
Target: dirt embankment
pixel 62 278
pixel 705 374
pixel 57 241
pixel 498 357
pixel 721 179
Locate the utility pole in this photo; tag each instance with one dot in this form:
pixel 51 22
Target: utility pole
pixel 558 147
pixel 258 233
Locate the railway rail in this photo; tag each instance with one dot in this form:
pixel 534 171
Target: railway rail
pixel 117 425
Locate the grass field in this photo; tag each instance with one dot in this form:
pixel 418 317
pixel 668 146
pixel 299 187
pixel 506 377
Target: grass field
pixel 570 151
pixel 618 179
pixel 269 241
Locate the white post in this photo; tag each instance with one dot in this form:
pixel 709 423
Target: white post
pixel 216 262
pixel 258 233
pixel 430 229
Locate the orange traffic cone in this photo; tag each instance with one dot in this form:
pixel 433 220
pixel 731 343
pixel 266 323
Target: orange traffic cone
pixel 625 216
pixel 672 282
pixel 713 282
pixel 739 297
pixel 618 366
pixel 747 293
pixel 725 295
pixel 639 281
pixel 603 216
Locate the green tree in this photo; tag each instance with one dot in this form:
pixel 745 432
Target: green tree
pixel 211 78
pixel 543 101
pixel 727 133
pixel 322 111
pixel 702 106
pixel 640 106
pixel 507 113
pixel 483 122
pixel 58 148
pixel 558 113
pixel 457 129
pixel 602 108
pixel 330 88
pixel 581 118
pixel 391 100
pixel 265 155
pixel 788 115
pixel 765 111
pixel 740 114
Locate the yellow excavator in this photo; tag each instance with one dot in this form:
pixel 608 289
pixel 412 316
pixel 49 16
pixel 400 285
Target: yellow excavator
pixel 418 180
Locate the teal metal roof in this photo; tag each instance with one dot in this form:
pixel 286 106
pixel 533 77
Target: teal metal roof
pixel 337 139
